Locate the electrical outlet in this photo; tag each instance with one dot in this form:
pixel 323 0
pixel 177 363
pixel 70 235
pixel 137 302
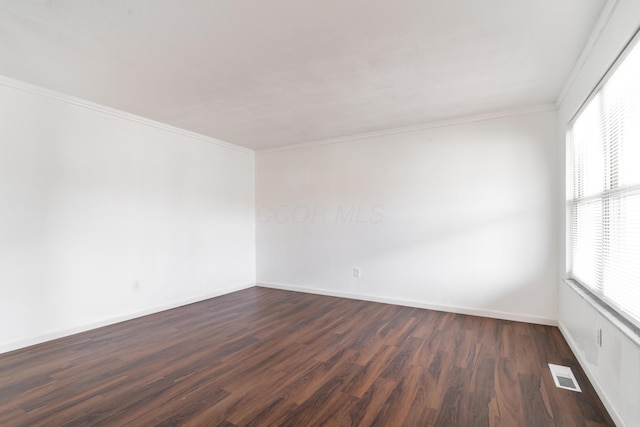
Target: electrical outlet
pixel 136 286
pixel 599 337
pixel 356 272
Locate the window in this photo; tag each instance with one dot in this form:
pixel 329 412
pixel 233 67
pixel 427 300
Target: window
pixel 603 192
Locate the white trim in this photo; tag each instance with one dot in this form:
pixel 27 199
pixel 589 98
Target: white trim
pixel 40 91
pixel 593 378
pixel 417 304
pixel 602 22
pixel 15 345
pixel 629 330
pixel 606 76
pixel 423 126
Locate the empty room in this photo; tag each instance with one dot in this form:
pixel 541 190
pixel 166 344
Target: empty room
pixel 320 213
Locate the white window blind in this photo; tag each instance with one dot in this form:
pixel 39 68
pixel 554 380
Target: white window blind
pixel 604 190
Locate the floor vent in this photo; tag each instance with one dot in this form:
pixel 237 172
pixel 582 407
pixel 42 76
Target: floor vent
pixel 563 377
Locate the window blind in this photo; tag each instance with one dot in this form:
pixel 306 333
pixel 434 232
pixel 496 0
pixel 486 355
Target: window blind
pixel 604 190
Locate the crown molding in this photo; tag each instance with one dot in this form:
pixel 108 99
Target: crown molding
pixel 78 102
pixel 413 128
pixel 40 91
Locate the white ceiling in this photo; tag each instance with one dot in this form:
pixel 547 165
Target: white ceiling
pixel 266 73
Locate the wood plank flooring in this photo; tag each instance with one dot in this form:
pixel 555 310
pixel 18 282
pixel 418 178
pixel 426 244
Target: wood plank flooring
pixel 263 357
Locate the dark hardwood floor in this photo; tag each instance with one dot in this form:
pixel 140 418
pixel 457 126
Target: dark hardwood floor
pixel 267 357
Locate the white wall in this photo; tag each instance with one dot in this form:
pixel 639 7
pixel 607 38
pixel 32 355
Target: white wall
pixel 613 369
pixel 458 217
pixel 92 200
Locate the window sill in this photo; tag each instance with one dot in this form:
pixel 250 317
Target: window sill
pixel 630 330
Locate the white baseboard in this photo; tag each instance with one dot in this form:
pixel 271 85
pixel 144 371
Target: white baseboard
pixel 592 377
pixel 15 345
pixel 418 304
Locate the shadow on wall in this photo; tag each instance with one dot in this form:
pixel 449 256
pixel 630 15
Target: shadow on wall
pixel 458 216
pixel 495 262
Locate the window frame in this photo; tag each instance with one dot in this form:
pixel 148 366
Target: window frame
pixel 625 322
